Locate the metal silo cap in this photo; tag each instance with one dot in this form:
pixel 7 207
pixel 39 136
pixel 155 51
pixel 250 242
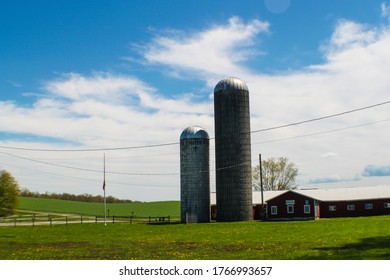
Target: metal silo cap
pixel 231 83
pixel 192 132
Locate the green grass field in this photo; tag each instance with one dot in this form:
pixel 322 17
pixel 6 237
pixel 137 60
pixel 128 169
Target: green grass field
pixel 342 238
pixel 142 209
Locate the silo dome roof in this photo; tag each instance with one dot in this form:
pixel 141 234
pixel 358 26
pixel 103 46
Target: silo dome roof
pixel 194 132
pixel 231 83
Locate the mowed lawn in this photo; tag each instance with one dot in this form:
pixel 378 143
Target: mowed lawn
pixel 339 238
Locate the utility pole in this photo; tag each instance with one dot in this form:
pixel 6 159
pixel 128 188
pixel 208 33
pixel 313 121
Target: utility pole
pixel 261 188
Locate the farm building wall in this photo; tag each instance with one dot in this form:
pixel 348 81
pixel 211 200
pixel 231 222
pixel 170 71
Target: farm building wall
pixel 369 207
pixel 291 206
pixel 257 209
pixel 213 212
pixel 256 212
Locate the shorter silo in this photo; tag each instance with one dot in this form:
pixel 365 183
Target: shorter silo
pixel 194 175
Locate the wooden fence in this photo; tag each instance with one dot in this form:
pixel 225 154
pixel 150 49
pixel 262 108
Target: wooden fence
pixel 51 219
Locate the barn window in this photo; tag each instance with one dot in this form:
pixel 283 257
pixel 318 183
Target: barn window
pixel 351 207
pixel 368 206
pixel 290 209
pixel 387 205
pixel 306 209
pixel 332 207
pixel 274 210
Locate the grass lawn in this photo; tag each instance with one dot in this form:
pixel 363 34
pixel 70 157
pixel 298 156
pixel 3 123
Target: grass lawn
pixel 341 238
pixel 142 209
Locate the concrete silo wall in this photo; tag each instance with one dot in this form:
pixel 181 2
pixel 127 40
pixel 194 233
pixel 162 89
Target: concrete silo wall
pixel 233 151
pixel 195 180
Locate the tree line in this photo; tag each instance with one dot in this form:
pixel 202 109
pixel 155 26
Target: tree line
pixel 73 197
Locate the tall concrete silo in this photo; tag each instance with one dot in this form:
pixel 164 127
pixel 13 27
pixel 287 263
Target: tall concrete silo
pixel 233 151
pixel 195 175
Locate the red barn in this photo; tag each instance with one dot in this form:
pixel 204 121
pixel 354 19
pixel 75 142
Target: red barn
pixel 292 205
pixel 319 203
pixel 329 203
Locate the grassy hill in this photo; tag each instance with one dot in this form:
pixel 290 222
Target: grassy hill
pixel 140 209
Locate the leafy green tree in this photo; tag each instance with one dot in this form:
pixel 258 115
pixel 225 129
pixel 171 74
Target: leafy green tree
pixel 9 193
pixel 278 174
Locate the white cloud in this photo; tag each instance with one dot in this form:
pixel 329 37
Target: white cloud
pixel 217 50
pixel 184 105
pixel 118 90
pixel 349 34
pixel 103 109
pixel 353 75
pixel 385 9
pixel 329 155
pixel 100 86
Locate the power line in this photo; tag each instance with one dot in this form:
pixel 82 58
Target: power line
pixel 90 180
pixel 178 173
pixel 86 169
pixel 321 118
pixel 177 143
pixel 91 149
pixel 205 171
pixel 119 173
pixel 319 133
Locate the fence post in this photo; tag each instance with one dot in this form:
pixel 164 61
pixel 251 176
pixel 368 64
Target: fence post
pixel 50 220
pixel 113 219
pixel 95 219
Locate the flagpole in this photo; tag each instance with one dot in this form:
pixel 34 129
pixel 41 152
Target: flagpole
pixel 104 188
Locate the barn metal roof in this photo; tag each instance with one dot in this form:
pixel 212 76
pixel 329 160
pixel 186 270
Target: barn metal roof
pixel 336 194
pixel 256 197
pixel 348 194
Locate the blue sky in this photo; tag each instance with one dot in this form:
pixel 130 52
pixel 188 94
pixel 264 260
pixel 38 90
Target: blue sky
pixel 97 74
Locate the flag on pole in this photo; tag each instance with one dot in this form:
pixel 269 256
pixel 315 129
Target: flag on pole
pixel 104 189
pixel 104 172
